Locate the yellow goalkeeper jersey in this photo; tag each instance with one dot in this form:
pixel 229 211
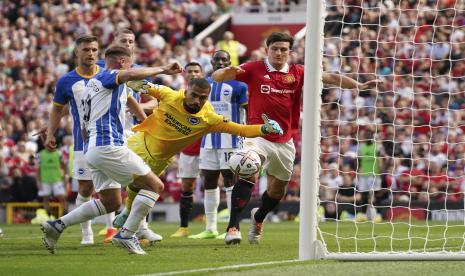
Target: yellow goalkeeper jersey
pixel 171 128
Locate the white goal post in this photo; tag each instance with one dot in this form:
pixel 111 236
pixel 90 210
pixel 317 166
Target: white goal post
pixel 421 216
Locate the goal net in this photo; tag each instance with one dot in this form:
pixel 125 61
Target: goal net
pixel 392 158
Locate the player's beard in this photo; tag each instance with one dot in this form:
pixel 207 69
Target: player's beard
pixel 191 109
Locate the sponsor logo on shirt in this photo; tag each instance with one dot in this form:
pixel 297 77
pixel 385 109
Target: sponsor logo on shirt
pixel 226 92
pixel 178 126
pixel 266 77
pixel 265 89
pixel 81 171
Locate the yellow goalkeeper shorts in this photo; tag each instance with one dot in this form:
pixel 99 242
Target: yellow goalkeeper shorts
pixel 137 144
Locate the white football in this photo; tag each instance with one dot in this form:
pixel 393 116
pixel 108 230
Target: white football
pixel 245 164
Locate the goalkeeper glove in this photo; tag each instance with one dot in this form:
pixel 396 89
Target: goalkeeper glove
pixel 141 86
pixel 271 126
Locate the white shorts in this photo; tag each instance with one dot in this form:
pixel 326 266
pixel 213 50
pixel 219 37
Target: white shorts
pixel 188 166
pixel 113 166
pixel 279 156
pixel 215 159
pixel 49 189
pixel 81 170
pixel 367 183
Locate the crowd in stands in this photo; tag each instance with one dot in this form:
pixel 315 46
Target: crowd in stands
pixel 414 117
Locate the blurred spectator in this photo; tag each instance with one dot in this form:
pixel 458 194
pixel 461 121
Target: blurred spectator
pixel 347 198
pixel 233 47
pixel 50 178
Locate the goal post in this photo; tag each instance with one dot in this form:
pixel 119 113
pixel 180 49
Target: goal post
pixel 308 242
pixel 383 169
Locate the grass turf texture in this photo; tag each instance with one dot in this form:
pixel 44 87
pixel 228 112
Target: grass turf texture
pixel 21 253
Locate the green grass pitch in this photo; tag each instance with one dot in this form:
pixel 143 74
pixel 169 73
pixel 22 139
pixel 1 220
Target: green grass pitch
pixel 21 253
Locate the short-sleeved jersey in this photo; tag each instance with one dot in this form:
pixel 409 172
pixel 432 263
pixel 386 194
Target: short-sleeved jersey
pixel 275 93
pixel 227 99
pixel 104 110
pixel 131 120
pixel 70 90
pixel 171 128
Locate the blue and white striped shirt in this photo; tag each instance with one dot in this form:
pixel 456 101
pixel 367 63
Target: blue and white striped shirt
pixel 70 90
pixel 227 99
pixel 104 110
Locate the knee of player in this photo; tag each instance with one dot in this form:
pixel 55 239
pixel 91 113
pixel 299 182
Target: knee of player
pixel 85 188
pixel 111 205
pixel 188 184
pixel 157 185
pixel 160 186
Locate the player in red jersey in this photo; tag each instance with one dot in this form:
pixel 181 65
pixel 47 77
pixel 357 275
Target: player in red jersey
pixel 275 88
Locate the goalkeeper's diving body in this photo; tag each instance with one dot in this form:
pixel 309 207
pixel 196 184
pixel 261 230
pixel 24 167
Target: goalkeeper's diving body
pixel 181 118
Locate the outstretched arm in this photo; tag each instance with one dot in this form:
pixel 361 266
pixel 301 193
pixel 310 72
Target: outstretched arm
pixel 346 82
pixel 226 74
pixel 145 72
pixel 250 131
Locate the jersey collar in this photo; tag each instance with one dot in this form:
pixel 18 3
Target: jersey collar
pixel 88 76
pixel 270 67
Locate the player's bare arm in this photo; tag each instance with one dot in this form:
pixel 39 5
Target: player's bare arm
pixel 53 121
pixel 142 73
pixel 348 83
pixel 227 73
pixel 42 132
pixel 136 109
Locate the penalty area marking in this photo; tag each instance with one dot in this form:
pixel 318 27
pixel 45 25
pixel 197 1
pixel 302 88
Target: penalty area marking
pixel 221 268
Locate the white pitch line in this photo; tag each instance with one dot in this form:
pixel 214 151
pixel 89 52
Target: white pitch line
pixel 220 268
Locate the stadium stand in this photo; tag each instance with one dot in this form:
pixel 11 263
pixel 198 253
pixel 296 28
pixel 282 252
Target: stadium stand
pixel 36 48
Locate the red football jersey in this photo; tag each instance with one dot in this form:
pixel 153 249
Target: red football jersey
pixel 275 93
pixel 193 149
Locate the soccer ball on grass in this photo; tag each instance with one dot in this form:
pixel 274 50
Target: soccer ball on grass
pixel 245 163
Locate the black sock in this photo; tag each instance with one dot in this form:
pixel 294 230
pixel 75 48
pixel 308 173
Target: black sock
pixel 185 207
pixel 268 204
pixel 240 196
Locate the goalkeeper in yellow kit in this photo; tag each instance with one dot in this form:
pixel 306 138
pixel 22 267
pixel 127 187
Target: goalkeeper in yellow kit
pixel 181 118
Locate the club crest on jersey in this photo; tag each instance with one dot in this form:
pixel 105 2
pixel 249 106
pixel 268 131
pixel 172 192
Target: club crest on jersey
pixel 288 78
pixel 194 120
pixel 265 89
